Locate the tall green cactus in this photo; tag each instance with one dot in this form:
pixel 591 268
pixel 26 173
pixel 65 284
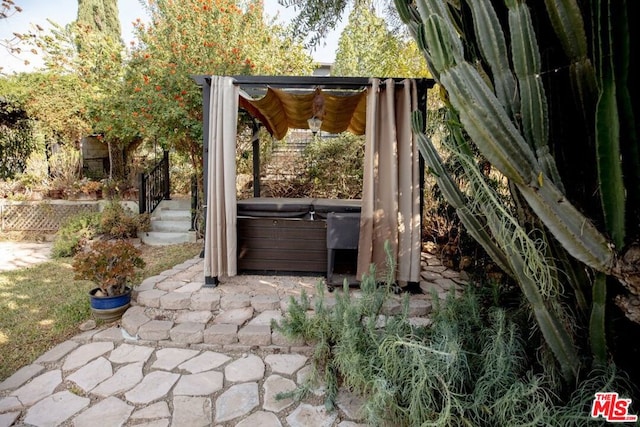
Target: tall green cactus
pixel 511 130
pixel 608 136
pixel 493 46
pixel 508 244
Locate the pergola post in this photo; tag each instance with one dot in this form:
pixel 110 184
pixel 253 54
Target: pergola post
pixel 255 86
pixel 255 142
pixel 205 84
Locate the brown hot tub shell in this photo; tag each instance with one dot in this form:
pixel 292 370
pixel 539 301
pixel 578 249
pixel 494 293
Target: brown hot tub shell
pixel 286 235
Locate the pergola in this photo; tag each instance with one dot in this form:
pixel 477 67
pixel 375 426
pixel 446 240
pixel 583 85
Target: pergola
pixel 380 109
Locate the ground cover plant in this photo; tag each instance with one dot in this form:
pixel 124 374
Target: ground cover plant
pixel 475 365
pixel 43 305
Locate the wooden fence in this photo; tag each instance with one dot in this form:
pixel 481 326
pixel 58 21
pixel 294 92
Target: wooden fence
pixel 45 216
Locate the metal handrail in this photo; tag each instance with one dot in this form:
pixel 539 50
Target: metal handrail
pixel 154 186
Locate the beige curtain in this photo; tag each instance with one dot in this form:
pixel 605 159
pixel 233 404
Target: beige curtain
pixel 391 193
pixel 220 251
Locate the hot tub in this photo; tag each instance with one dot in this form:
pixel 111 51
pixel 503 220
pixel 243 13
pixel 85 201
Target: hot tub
pixel 286 235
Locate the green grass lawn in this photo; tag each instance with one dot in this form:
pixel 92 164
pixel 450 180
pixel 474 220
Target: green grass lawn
pixel 43 305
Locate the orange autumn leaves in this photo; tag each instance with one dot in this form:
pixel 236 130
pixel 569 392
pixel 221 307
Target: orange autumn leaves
pixel 160 101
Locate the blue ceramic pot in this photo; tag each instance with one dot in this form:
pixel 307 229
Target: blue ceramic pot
pixel 109 308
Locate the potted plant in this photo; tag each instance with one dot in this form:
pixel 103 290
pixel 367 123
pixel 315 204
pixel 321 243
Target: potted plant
pixel 91 190
pixel 111 265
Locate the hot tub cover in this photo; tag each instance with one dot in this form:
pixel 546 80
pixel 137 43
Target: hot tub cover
pixel 277 207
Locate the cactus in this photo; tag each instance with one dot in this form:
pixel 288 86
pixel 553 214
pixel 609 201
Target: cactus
pixel 493 46
pixel 608 139
pixel 507 118
pixel 508 244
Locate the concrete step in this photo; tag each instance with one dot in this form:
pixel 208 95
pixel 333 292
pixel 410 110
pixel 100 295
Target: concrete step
pixel 289 150
pixel 177 225
pixel 171 215
pixel 178 203
pixel 170 223
pixel 160 238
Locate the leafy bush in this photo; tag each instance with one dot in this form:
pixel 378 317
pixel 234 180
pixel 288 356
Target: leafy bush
pixel 88 186
pixel 76 230
pixel 118 222
pixel 334 166
pixel 327 168
pixel 110 264
pixel 16 138
pixel 114 222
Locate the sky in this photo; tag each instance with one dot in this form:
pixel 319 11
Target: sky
pixel 65 11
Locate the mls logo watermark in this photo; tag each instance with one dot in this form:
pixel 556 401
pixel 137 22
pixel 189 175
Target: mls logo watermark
pixel 612 408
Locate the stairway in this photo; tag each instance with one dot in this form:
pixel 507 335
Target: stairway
pixel 170 224
pixel 286 159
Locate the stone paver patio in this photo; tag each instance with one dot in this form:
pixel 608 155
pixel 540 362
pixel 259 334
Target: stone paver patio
pixel 186 355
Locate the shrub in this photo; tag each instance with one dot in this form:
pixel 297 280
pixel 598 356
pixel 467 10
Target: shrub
pixel 334 166
pixel 16 138
pixel 327 168
pixel 90 187
pixel 118 222
pixel 114 222
pixel 65 167
pixel 470 367
pixel 111 189
pixel 36 174
pixel 75 231
pixel 110 264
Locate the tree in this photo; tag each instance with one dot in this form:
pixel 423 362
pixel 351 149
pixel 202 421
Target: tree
pixel 316 18
pixel 14 45
pixel 83 64
pixel 368 48
pixel 100 16
pixel 98 36
pixel 16 138
pixel 362 45
pixel 8 8
pixel 159 101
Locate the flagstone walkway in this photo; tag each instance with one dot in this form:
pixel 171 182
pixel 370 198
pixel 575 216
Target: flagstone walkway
pixel 15 255
pixel 186 355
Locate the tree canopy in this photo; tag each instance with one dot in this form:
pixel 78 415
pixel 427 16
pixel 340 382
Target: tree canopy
pixel 100 16
pixel 16 141
pixel 367 47
pixel 159 101
pixel 144 91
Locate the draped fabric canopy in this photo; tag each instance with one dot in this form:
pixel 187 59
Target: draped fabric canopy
pixel 280 111
pixel 220 249
pixel 391 187
pixel 391 192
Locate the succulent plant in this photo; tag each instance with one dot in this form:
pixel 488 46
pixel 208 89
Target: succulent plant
pixel 486 55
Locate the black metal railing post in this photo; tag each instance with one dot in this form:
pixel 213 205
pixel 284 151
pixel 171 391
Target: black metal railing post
pixel 154 186
pixel 194 201
pixel 142 193
pixel 165 175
